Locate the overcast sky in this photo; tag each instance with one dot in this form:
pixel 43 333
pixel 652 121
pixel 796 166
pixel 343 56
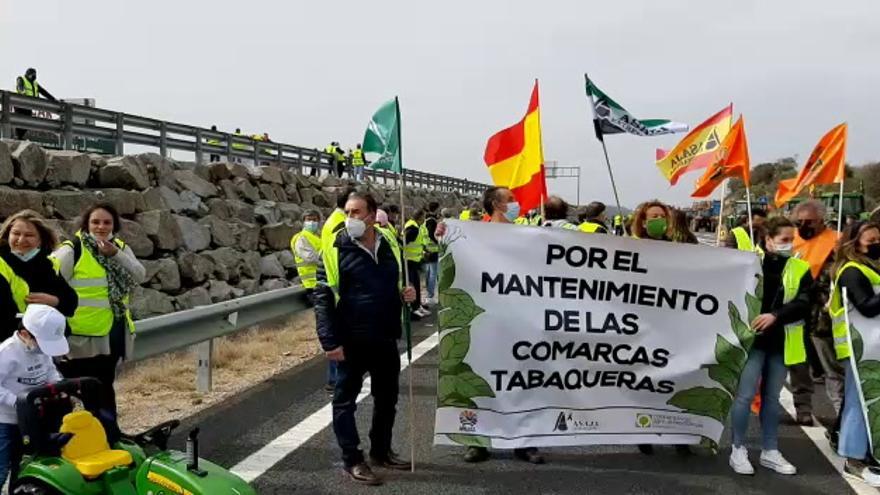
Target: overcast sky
pixel 311 72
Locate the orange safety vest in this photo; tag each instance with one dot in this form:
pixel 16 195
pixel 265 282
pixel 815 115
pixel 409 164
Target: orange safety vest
pixel 816 250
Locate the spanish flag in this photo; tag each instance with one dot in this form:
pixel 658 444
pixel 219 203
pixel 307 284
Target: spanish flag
pixel 697 149
pixel 731 160
pixel 515 158
pixel 826 165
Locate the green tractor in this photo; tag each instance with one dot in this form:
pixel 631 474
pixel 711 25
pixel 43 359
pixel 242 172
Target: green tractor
pixel 853 205
pixel 82 452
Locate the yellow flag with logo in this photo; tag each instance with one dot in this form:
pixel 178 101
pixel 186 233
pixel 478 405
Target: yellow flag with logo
pixel 697 149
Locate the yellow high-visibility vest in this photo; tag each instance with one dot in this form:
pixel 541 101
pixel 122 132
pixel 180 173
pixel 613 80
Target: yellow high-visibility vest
pixel 331 262
pixel 331 226
pixel 30 88
pixel 795 352
pixel 308 272
pixel 589 227
pixel 837 311
pixel 465 215
pixel 414 251
pixel 17 285
pixel 93 316
pixel 357 158
pixel 430 246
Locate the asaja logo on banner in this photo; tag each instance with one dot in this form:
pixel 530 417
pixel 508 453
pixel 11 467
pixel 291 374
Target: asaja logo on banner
pixel 644 420
pixel 569 420
pixel 467 420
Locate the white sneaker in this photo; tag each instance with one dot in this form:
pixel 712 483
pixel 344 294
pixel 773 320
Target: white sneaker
pixel 739 461
pixel 772 459
pixel 869 475
pixel 422 312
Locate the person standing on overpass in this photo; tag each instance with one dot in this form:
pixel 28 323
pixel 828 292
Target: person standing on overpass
pixel 358 163
pixel 27 85
pixel 502 207
pixel 358 304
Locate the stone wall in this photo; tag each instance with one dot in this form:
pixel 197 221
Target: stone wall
pixel 205 233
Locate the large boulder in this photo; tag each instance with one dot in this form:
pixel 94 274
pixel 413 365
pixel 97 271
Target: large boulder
pixel 227 187
pixel 222 234
pixel 162 274
pixel 125 202
pixel 148 302
pixel 280 194
pixel 219 171
pixel 267 212
pixel 248 286
pixel 162 198
pixel 274 284
pixel 286 259
pixel 220 291
pixel 30 163
pixel 196 237
pixel 292 194
pixel 291 212
pixel 7 171
pixel 226 262
pixel 192 203
pixel 243 211
pixel 246 190
pixel 194 268
pixel 269 174
pixel 187 180
pixel 238 170
pixel 158 169
pixel 13 200
pixel 125 172
pixel 251 265
pixel 267 192
pixel 270 267
pixel 247 235
pixel 330 180
pixel 194 298
pixel 68 167
pixel 67 204
pixel 278 235
pixel 161 228
pixel 133 235
pixel 65 229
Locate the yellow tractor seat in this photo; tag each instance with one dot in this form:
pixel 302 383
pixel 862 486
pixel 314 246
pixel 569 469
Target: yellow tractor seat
pixel 88 450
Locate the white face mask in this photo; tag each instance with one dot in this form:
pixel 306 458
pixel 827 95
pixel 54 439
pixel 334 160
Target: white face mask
pixel 355 227
pixel 783 249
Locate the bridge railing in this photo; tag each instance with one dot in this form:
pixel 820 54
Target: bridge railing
pixel 76 122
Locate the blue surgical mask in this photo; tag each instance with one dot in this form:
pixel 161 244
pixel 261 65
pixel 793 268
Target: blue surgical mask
pixel 310 226
pixel 28 255
pixel 512 211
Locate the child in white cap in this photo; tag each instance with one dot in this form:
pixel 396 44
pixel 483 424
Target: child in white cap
pixel 26 363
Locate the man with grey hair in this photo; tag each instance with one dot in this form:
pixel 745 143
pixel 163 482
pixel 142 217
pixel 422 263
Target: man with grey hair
pixel 814 242
pixel 556 214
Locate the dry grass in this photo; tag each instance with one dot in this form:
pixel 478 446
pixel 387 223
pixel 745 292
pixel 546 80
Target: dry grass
pixel 163 388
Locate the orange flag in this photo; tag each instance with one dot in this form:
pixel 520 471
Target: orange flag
pixel 731 160
pixel 515 157
pixel 696 150
pixel 825 166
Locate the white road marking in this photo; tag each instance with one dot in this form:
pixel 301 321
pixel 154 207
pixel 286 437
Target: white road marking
pixel 817 435
pixel 272 453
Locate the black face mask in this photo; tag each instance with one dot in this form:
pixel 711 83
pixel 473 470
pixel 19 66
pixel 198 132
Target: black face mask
pixel 806 231
pixel 873 252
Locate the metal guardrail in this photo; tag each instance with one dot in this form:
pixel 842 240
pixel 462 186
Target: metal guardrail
pixel 199 326
pixel 83 122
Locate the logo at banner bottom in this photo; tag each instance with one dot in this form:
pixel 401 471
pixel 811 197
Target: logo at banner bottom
pixel 468 421
pixel 575 421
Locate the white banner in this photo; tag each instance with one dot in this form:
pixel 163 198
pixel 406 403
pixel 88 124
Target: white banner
pixel 864 344
pixel 553 337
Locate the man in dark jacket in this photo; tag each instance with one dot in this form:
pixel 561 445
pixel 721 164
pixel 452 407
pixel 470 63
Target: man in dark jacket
pixel 358 316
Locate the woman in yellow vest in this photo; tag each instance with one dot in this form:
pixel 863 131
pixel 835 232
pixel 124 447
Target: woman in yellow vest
pixel 103 270
pixel 27 275
pixel 858 271
pixel 779 343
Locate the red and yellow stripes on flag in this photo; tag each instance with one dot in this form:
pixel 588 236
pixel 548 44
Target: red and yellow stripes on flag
pixel 515 157
pixel 697 149
pixel 826 165
pixel 730 160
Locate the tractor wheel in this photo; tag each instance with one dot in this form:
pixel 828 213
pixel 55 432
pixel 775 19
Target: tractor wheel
pixel 33 487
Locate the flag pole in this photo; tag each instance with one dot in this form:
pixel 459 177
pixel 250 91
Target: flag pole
pixel 406 320
pixel 721 213
pixel 601 139
pixel 840 206
pixel 749 212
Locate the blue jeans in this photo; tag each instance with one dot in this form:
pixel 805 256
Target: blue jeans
pixel 358 173
pixel 331 372
pixel 10 451
pixel 853 441
pixel 770 370
pixel 431 277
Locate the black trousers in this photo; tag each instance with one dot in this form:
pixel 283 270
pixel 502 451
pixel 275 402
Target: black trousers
pixel 20 132
pixel 415 278
pixel 340 168
pixel 381 360
pixel 101 367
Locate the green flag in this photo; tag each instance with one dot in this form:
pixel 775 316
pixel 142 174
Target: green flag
pixel 611 118
pixel 382 138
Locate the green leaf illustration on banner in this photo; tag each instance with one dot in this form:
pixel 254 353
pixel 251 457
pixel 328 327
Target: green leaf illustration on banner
pixel 730 359
pixel 857 343
pixel 753 302
pixel 454 347
pixel 470 440
pixel 461 383
pixel 458 309
pixel 871 389
pixel 741 329
pixel 447 272
pixel 703 401
pixel 874 426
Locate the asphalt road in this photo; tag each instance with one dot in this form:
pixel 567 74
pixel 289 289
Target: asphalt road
pixel 280 428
